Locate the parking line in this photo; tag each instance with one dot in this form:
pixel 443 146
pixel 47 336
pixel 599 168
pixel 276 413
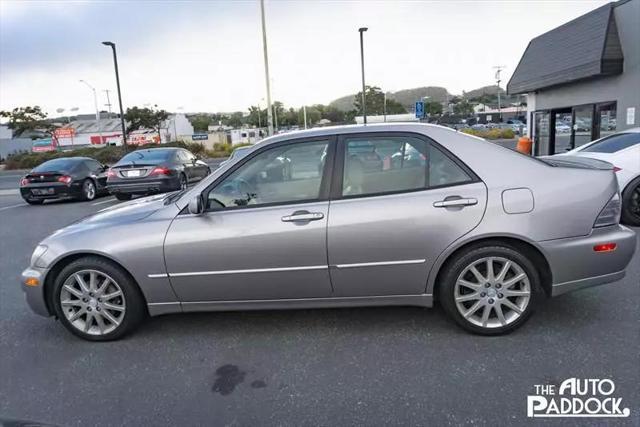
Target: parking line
pixel 103 202
pixel 9 192
pixel 13 206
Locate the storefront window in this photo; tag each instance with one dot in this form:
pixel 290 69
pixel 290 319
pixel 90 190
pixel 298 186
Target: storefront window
pixel 582 125
pixel 562 132
pixel 607 119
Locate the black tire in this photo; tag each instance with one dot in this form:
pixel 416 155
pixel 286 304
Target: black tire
pixel 34 201
pixel 631 203
pixel 123 196
pixel 453 269
pixel 184 182
pixel 89 190
pixel 133 299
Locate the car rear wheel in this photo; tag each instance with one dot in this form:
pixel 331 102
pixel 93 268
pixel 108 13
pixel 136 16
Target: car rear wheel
pixel 88 190
pixel 97 300
pixel 123 196
pixel 490 290
pixel 183 182
pixel 631 203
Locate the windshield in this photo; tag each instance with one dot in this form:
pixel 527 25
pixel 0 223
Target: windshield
pixel 56 165
pixel 146 157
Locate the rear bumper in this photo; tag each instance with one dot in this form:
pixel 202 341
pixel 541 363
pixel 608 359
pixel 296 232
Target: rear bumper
pixel 57 191
pixel 575 265
pixel 144 186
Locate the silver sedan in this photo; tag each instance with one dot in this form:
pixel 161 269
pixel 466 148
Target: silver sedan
pixel 402 214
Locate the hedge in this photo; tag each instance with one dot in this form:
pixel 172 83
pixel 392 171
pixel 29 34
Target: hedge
pixel 491 133
pixel 107 155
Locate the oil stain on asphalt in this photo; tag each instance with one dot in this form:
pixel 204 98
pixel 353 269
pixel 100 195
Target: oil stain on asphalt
pixel 227 378
pixel 230 376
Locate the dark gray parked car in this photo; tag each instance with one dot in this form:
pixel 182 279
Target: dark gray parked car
pixel 154 170
pixel 485 231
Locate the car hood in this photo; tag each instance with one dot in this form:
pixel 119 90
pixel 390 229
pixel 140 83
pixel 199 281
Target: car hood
pixel 124 213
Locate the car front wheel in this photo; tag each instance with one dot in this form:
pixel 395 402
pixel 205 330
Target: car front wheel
pixel 490 290
pixel 88 190
pixel 97 300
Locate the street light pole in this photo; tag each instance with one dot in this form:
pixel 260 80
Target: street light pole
pixel 364 108
pixel 304 112
pixel 115 64
pixel 266 71
pixel 384 107
pixel 95 102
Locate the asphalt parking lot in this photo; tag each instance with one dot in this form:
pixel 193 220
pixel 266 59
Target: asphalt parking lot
pixel 365 366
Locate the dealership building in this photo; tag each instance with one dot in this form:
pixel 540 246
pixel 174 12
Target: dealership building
pixel 582 79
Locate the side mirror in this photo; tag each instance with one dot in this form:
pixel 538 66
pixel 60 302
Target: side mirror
pixel 195 206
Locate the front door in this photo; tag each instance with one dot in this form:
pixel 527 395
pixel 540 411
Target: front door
pixel 398 203
pixel 263 235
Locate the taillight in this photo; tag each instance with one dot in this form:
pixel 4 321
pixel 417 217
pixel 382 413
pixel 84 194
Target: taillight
pixel 610 214
pixel 605 247
pixel 160 171
pixel 24 181
pixel 66 179
pixel 616 169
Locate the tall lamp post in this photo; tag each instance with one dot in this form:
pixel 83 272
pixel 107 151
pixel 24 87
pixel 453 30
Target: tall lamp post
pixel 364 108
pixel 95 102
pixel 115 64
pixel 266 71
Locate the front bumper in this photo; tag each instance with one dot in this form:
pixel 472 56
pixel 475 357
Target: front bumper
pixel 575 265
pixel 147 186
pixel 35 295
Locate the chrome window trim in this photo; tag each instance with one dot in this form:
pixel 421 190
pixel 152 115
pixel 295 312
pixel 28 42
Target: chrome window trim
pixel 381 263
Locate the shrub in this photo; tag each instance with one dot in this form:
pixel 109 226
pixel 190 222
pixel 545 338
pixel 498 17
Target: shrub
pixel 491 133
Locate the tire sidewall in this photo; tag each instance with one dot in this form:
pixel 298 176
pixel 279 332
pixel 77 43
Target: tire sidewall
pixel 446 290
pixel 85 184
pixel 627 216
pixel 134 302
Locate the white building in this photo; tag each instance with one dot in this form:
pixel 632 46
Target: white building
pixel 176 127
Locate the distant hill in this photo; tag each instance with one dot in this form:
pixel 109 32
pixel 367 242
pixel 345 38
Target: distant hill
pixel 407 97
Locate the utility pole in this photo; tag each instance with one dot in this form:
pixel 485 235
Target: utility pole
pixel 498 69
pixel 384 107
pixel 304 113
pixel 95 102
pixel 108 104
pixel 266 71
pixel 364 106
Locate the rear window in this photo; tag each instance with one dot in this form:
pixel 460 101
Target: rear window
pixel 146 157
pixel 56 165
pixel 614 143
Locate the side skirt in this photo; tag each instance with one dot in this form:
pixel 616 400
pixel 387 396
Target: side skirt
pixel 424 300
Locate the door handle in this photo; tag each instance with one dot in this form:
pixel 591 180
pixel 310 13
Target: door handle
pixel 470 201
pixel 303 216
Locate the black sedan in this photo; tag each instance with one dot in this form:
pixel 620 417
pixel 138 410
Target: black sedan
pixel 80 178
pixel 154 170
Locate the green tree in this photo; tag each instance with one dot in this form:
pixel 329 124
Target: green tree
pixel 201 122
pixel 433 108
pixel 375 103
pixel 23 119
pixel 463 108
pixel 145 118
pixel 234 120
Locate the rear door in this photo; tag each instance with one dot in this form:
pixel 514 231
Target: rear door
pixel 390 220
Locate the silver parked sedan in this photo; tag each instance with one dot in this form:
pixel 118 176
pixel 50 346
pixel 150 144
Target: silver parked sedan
pixel 438 216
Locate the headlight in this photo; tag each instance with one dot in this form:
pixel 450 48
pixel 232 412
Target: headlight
pixel 37 254
pixel 610 214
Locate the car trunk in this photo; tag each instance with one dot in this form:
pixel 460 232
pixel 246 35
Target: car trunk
pixel 578 162
pixel 42 177
pixel 133 170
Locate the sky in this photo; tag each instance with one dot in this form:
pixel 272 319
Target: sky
pixel 206 56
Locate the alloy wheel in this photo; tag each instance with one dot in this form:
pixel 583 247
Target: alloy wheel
pixel 492 292
pixel 89 190
pixel 635 202
pixel 92 302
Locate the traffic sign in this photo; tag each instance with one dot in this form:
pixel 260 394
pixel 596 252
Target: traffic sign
pixel 419 110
